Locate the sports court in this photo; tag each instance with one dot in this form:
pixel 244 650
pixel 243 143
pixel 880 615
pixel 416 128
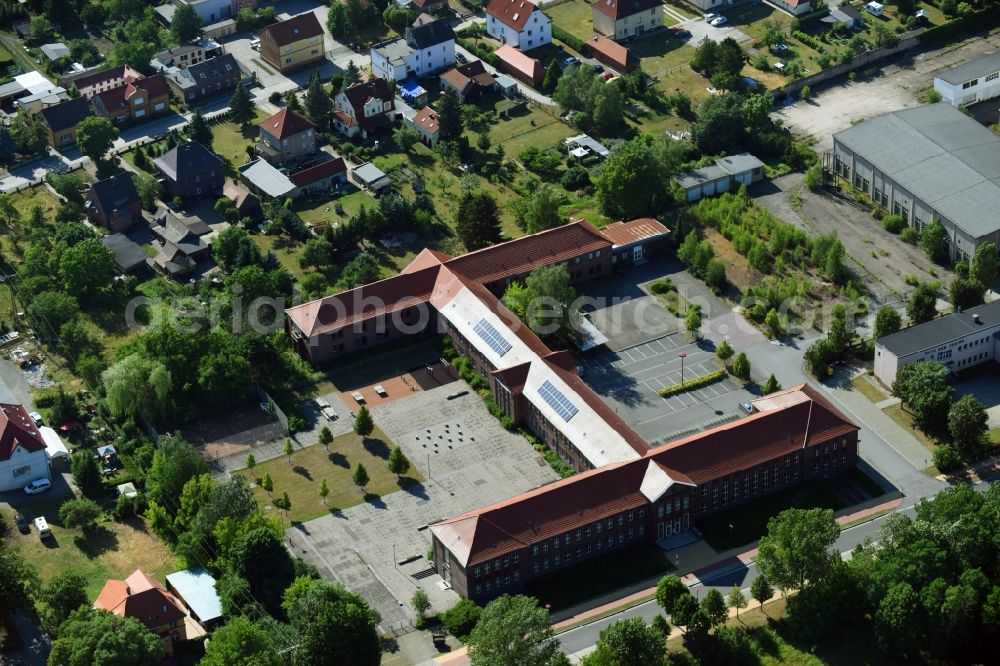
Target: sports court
pixel 233 432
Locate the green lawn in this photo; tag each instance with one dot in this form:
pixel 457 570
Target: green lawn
pixel 600 575
pixel 749 521
pixel 114 551
pixel 302 477
pixel 230 141
pixel 575 17
pixel 905 420
pixel 27 199
pixel 529 127
pixel 868 389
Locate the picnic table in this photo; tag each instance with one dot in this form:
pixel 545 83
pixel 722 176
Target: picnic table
pixel 358 397
pixel 380 390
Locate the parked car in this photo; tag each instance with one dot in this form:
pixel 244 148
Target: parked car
pixel 717 21
pixel 570 62
pixel 37 418
pixel 255 44
pixel 780 48
pixel 597 68
pixel 22 523
pixel 37 486
pixel 43 527
pixel 711 16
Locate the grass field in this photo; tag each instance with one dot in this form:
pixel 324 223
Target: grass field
pixel 27 199
pixel 904 419
pixel 302 477
pixel 868 389
pixel 114 551
pixel 749 521
pixel 230 141
pixel 575 17
pixel 599 575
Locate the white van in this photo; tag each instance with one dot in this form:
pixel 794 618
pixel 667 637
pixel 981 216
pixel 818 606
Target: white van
pixel 37 486
pixel 43 527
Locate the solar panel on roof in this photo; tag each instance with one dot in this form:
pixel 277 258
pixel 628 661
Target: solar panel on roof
pixel 557 401
pixel 492 337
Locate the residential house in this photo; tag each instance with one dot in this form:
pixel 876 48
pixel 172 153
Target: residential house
pixel 429 6
pixel 113 203
pixel 961 340
pixel 22 449
pixel 927 163
pixel 130 257
pixel 195 588
pixel 974 81
pixel 634 241
pixel 470 80
pixel 320 177
pixel 293 44
pixel 246 202
pixel 427 124
pixel 138 100
pixel 624 19
pixel 425 48
pixel 211 11
pixel 726 174
pixel 364 108
pixel 846 15
pixel 61 120
pixel 796 7
pixel 616 56
pixel 181 56
pixel 54 51
pixel 142 598
pixel 180 242
pixel 265 179
pixel 216 76
pixel 32 104
pixel 191 170
pixel 286 137
pixel 522 67
pixel 94 84
pixel 371 178
pixel 518 23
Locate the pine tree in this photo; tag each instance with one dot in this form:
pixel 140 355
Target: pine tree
pixel 399 464
pixel 325 436
pixel 266 483
pixel 361 476
pixel 363 423
pixel 771 385
pixel 198 130
pixel 324 490
pixel 318 103
pixel 241 107
pixel 288 450
pixel 251 462
pixel 450 115
pixel 552 75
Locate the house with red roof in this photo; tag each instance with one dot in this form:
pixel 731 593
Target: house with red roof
pixel 616 56
pixel 142 98
pixel 141 597
pixel 427 124
pixel 518 23
pixel 364 109
pixel 22 449
pixel 625 19
pixel 286 137
pixel 522 67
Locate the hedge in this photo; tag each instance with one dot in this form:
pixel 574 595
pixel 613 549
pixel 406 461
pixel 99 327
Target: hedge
pixel 569 40
pixel 692 383
pixel 983 19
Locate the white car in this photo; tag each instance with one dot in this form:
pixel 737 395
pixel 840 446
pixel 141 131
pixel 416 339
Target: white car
pixel 710 17
pixel 255 44
pixel 37 486
pixel 717 21
pixel 37 418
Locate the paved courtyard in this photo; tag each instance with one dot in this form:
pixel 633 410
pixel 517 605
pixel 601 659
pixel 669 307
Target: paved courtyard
pixel 379 548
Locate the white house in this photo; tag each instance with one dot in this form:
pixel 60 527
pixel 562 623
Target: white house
pixel 22 451
pixel 210 11
pixel 971 82
pixel 960 341
pixel 425 49
pixel 518 23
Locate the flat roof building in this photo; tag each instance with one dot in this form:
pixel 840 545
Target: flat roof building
pixel 974 81
pixel 925 163
pixel 727 173
pixel 961 340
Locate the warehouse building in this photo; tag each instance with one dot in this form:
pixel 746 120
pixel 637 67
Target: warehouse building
pixel 926 163
pixel 970 82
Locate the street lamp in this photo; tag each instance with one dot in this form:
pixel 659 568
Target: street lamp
pixel 682 356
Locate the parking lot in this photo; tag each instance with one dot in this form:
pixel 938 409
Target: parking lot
pixel 378 548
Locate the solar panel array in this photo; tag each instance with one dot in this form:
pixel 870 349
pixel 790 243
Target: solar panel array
pixel 557 401
pixel 492 337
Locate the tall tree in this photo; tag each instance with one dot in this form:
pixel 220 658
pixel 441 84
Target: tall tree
pixel 513 630
pixel 924 389
pixel 241 106
pixel 241 642
pixel 796 549
pixel 186 24
pixel 983 267
pixel 317 103
pixel 669 591
pixel 334 626
pixel 628 643
pixel 30 135
pixel 86 474
pixel 923 304
pixel 399 464
pixel 363 422
pixel 550 296
pixel 934 241
pixel 360 477
pixel 199 130
pixel 966 293
pixel 540 209
pixel 138 387
pixel 714 605
pixel 887 321
pixel 60 597
pixel 336 20
pixel 87 268
pixel 632 182
pixel 450 115
pixel 967 425
pixel 736 599
pixel 18 581
pixel 174 464
pixel 761 590
pixel 552 74
pixel 477 220
pixel 92 636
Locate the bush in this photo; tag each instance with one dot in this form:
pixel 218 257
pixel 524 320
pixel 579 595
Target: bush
pixel 894 223
pixel 910 235
pixel 946 458
pixel 664 286
pixel 569 40
pixel 688 384
pixel 461 618
pixel 129 507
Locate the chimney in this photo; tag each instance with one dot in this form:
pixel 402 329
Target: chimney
pixel 975 318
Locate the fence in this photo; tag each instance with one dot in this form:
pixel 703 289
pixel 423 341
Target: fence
pixel 272 408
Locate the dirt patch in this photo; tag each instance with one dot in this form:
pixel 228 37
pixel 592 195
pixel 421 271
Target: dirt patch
pixel 739 273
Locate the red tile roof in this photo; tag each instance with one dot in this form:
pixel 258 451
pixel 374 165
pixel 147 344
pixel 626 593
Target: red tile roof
pixel 318 172
pixel 524 64
pixel 513 13
pixel 618 9
pixel 612 53
pixel 141 597
pixel 293 30
pixel 117 98
pixel 552 509
pixel 427 120
pixel 286 123
pixel 17 429
pixel 624 233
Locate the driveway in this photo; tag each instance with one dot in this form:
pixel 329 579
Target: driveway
pixel 881 258
pixel 701 30
pixel 895 86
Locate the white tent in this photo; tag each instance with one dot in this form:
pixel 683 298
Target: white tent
pixel 54 446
